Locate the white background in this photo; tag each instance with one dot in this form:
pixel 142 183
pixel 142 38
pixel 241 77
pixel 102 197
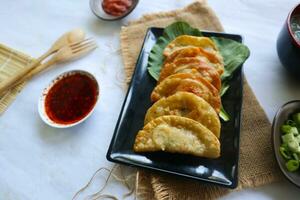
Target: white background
pixel 40 162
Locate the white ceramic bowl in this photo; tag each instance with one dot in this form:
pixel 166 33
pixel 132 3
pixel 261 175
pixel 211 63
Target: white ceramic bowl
pixel 96 7
pixel 281 116
pixel 41 101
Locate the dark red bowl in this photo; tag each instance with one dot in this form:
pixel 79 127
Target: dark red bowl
pixel 288 48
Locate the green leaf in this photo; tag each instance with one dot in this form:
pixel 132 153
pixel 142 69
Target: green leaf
pixel 224 88
pixel 234 54
pixel 224 115
pixel 172 31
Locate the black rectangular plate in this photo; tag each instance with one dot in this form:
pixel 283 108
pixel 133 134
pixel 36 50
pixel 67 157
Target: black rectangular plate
pixel 222 171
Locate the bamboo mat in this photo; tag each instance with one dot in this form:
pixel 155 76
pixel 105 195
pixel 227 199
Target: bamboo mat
pixel 255 168
pixel 10 62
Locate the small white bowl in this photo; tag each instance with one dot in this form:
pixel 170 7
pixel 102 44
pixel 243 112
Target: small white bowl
pixel 41 101
pixel 96 7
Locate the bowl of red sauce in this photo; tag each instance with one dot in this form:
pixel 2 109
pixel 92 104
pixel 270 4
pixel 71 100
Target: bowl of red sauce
pixel 111 10
pixel 69 99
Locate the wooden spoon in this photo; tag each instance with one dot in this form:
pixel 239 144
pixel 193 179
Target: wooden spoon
pixel 64 54
pixel 70 37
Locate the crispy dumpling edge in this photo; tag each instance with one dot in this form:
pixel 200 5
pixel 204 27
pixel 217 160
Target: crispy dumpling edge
pixel 144 135
pixel 168 49
pixel 179 96
pixel 214 99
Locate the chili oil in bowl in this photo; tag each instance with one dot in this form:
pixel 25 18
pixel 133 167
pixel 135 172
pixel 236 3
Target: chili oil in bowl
pixel 111 10
pixel 69 99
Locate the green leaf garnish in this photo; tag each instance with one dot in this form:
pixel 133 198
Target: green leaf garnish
pixel 156 58
pixel 224 88
pixel 234 54
pixel 224 115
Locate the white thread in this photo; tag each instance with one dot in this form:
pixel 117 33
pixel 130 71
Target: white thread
pixel 99 194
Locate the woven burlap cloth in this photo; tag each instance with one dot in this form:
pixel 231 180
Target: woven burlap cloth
pixel 256 166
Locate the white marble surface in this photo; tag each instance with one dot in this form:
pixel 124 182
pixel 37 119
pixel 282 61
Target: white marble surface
pixel 40 162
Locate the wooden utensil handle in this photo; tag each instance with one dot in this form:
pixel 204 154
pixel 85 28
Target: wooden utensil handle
pixel 37 70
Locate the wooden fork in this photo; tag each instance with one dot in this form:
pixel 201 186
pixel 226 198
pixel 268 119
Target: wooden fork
pixel 66 53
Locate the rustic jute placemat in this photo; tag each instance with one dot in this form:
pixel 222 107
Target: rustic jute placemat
pixel 256 166
pixel 10 62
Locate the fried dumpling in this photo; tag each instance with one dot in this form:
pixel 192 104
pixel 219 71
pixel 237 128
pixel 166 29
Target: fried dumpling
pixel 188 105
pixel 191 65
pixel 211 75
pixel 176 134
pixel 190 41
pixel 171 68
pixel 196 76
pixel 187 83
pixel 214 60
pixel 181 60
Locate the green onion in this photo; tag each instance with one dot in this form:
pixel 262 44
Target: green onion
pixel 284 145
pixel 290 122
pixel 290 147
pixel 285 153
pixel 296 118
pixel 298 138
pixel 294 131
pixel 285 128
pixel 292 165
pixel 293 146
pixel 288 137
pixel 296 157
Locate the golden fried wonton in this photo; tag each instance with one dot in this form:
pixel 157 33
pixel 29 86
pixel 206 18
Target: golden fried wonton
pixel 176 134
pixel 188 105
pixel 214 60
pixel 187 83
pixel 191 65
pixel 190 41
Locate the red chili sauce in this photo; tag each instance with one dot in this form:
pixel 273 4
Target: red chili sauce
pixel 116 7
pixel 71 98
